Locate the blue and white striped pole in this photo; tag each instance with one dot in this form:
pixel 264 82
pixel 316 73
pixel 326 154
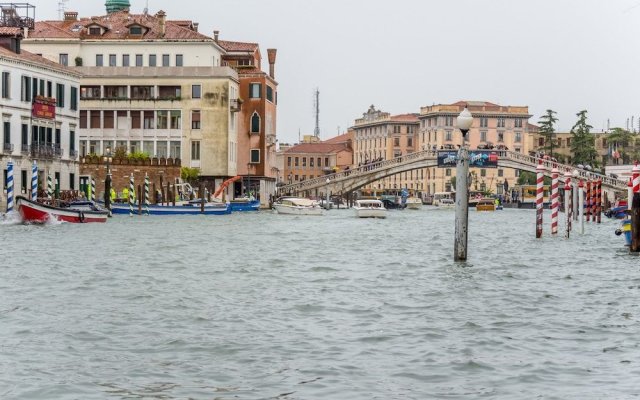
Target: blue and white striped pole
pixel 10 186
pixel 93 190
pixel 49 187
pixel 146 193
pixel 131 199
pixel 34 181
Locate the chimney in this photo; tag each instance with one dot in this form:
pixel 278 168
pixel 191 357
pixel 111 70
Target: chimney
pixel 195 26
pixel 10 39
pixel 70 15
pixel 162 19
pixel 215 35
pixel 271 53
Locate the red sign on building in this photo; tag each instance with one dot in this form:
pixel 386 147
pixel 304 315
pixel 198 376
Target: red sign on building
pixel 43 107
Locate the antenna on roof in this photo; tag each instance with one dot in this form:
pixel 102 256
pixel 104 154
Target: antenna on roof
pixel 316 107
pixel 61 8
pixel 146 8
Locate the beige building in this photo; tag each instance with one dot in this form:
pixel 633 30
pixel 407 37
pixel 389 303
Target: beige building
pixel 494 127
pixel 379 136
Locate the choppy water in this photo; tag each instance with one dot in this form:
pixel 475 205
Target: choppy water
pixel 266 306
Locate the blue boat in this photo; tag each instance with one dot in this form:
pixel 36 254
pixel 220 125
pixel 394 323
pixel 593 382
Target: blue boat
pixel 190 208
pixel 245 205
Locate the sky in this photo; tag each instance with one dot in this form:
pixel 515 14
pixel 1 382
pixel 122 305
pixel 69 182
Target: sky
pixel 563 55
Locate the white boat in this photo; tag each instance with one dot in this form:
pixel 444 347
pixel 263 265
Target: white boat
pixel 297 206
pixel 370 208
pixel 414 203
pixel 446 203
pixel 438 198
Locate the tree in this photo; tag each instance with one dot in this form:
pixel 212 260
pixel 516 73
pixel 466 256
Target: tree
pixel 625 145
pixel 547 130
pixel 583 144
pixel 189 174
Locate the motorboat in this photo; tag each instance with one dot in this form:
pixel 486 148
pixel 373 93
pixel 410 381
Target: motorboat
pixel 446 203
pixel 486 205
pixel 370 208
pixel 297 206
pixel 74 212
pixel 245 204
pixel 184 208
pixel 414 203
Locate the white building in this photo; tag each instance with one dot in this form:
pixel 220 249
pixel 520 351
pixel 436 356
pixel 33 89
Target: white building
pixel 39 106
pixel 149 85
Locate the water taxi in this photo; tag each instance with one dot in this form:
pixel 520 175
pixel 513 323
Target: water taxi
pixel 297 206
pixel 370 208
pixel 414 203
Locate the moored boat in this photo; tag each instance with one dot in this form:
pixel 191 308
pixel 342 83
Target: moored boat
pixel 245 204
pixel 414 203
pixel 77 212
pixel 485 205
pixel 297 206
pixel 446 203
pixel 370 208
pixel 189 208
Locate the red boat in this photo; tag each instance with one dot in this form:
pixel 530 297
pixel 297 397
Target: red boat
pixel 79 212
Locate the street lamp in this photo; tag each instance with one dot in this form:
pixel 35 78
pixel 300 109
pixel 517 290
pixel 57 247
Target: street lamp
pixel 249 180
pixel 327 201
pixel 464 121
pixel 107 158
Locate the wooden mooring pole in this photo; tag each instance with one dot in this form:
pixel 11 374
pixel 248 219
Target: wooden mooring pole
pixel 635 224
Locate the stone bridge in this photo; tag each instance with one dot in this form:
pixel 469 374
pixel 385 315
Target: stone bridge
pixel 347 181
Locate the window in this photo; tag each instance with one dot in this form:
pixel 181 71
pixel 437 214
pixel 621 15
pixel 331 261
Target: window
pixel 135 30
pixel 94 119
pixel 288 161
pixel 448 121
pixel 115 92
pixel 169 92
pixel 311 162
pixel 125 60
pixel 447 135
pixel 484 122
pixel 73 105
pixel 568 142
pixel 152 60
pixel 107 122
pixel 255 123
pixel 255 90
pixel 326 162
pixel 72 141
pixel 483 172
pixel 148 120
pixel 270 93
pixel 60 95
pixel 304 162
pixel 49 88
pixel 409 142
pixel 483 136
pixel 142 92
pixel 518 137
pixel 196 91
pixel 25 135
pixel 518 123
pixel 296 162
pixel 195 119
pixel 501 122
pixel 57 140
pixel 5 85
pixel 72 181
pixel 162 119
pixel 94 31
pixel 89 92
pixel 165 60
pixel 63 59
pixel 7 132
pixel 83 119
pixel 179 60
pixel 255 156
pixel 447 172
pixel 195 150
pixel 500 172
pixel 112 60
pixel 26 89
pixel 174 119
pixel 99 60
pixel 174 149
pixel 138 60
pixel 500 136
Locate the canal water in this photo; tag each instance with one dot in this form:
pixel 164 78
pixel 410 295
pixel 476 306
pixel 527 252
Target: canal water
pixel 267 306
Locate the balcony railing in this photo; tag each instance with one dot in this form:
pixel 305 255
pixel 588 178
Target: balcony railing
pixel 7 148
pixel 73 154
pixel 45 151
pixel 25 149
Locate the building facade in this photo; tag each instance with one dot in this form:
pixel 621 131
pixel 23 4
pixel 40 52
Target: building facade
pixel 39 107
pixel 150 85
pixel 494 127
pixel 379 136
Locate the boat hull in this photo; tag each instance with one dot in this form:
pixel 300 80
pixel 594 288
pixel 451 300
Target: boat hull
pixel 123 209
pixel 297 210
pixel 370 213
pixel 34 212
pixel 253 205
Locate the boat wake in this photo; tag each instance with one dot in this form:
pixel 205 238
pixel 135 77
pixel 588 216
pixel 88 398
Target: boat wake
pixel 11 218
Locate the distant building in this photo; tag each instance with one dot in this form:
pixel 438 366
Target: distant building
pixel 494 127
pixel 379 136
pixel 608 153
pixel 150 85
pixel 39 106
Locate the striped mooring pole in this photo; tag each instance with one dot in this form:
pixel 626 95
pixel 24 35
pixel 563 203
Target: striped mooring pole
pixel 539 199
pixel 581 205
pixel 10 186
pixel 588 200
pixel 34 181
pixel 49 187
pixel 146 194
pixel 567 206
pixel 131 197
pixel 635 175
pixel 629 193
pixel 598 200
pixel 554 201
pixel 93 189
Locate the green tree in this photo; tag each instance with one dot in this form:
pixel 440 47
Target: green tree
pixel 189 174
pixel 583 144
pixel 626 143
pixel 547 130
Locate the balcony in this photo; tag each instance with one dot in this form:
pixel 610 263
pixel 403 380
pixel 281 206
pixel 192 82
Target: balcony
pixel 25 149
pixel 73 154
pixel 7 148
pixel 235 104
pixel 45 151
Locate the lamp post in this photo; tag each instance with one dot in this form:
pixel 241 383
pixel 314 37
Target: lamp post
pixel 249 180
pixel 464 121
pixel 326 205
pixel 107 180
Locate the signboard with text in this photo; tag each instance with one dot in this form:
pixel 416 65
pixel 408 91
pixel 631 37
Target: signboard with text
pixel 477 159
pixel 43 107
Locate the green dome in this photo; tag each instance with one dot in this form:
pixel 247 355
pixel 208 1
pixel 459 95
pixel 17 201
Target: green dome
pixel 117 5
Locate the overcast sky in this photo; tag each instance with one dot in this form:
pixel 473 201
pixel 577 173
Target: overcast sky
pixel 566 55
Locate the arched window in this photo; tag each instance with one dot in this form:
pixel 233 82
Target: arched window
pixel 255 123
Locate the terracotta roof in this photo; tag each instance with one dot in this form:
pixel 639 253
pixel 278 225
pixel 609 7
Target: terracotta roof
pixel 339 139
pixel 472 103
pixel 34 58
pixel 237 46
pixel 116 24
pixel 8 30
pixel 405 118
pixel 316 148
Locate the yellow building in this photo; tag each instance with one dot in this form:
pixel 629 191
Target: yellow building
pixel 494 127
pixel 379 136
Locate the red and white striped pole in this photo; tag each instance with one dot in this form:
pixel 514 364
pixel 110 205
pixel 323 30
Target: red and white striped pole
pixel 635 174
pixel 567 205
pixel 554 201
pixel 587 200
pixel 539 199
pixel 569 211
pixel 598 199
pixel 629 193
pixel 593 200
pixel 581 205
